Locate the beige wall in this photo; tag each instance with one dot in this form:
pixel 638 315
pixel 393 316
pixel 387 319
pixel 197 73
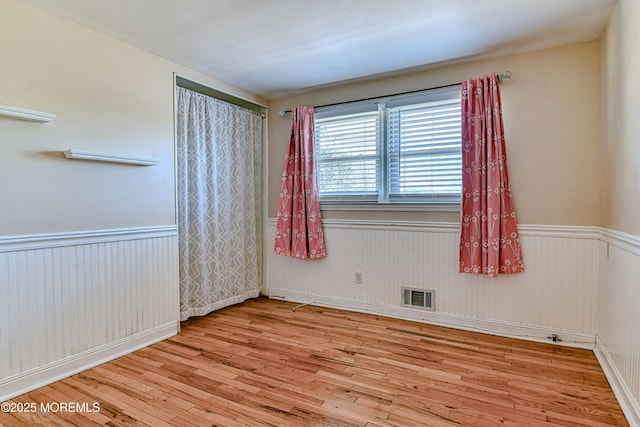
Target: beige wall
pixel 551 113
pixel 621 119
pixel 109 97
pixel 619 296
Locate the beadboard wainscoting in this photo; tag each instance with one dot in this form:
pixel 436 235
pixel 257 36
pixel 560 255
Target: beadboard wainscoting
pixel 69 301
pixel 618 341
pixel 556 294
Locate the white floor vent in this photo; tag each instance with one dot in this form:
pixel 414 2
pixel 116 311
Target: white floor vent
pixel 418 298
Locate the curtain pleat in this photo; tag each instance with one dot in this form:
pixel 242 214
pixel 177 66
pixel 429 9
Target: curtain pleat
pixel 489 240
pixel 299 223
pixel 219 203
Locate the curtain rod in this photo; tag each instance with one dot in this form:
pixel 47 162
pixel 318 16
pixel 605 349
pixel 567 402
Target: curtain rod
pixel 502 77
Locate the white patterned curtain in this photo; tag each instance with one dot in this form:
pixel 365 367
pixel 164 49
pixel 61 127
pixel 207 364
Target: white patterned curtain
pixel 219 203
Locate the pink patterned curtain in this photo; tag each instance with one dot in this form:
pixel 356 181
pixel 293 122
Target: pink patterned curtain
pixel 299 224
pixel 489 242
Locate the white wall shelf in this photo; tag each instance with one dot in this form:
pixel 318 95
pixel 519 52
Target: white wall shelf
pixel 102 157
pixel 24 114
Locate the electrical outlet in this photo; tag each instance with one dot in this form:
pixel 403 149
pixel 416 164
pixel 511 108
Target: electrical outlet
pixel 358 278
pixel 554 338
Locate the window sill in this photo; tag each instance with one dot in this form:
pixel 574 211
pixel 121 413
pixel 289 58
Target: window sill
pixel 391 207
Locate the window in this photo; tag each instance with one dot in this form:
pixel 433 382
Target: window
pixel 397 150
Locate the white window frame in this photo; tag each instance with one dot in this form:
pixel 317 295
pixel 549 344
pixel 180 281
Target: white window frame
pixel 382 201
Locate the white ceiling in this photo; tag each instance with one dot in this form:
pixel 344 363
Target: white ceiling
pixel 271 47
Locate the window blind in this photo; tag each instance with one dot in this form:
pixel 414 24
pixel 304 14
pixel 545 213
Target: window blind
pixel 403 149
pixel 424 152
pixel 348 156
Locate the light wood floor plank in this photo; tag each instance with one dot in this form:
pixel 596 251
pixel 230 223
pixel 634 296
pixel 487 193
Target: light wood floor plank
pixel 261 363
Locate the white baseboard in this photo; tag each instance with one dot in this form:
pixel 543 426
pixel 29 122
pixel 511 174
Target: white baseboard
pixel 628 404
pixel 492 327
pixel 41 376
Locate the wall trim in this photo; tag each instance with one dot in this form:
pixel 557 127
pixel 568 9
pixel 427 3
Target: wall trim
pixel 537 230
pixel 356 224
pixel 566 231
pixel 27 381
pixel 629 407
pixel 488 326
pixel 626 241
pixel 75 238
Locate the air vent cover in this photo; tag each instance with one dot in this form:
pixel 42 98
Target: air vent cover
pixel 418 298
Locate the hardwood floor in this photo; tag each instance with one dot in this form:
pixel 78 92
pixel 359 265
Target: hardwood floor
pixel 260 364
